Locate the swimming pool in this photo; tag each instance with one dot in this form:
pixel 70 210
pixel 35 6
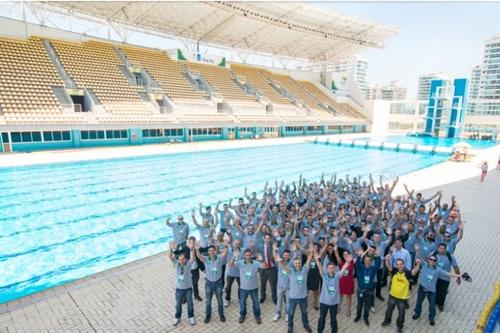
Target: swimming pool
pixel 61 222
pixel 431 141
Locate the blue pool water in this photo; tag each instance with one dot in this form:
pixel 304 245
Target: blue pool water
pixel 431 141
pixel 61 222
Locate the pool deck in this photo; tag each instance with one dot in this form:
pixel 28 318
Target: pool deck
pixel 138 296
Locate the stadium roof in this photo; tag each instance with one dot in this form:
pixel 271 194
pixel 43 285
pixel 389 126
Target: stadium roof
pixel 285 29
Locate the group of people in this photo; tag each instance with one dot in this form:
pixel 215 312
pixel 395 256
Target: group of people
pixel 331 239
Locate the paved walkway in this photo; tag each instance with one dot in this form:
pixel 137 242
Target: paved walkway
pixel 138 297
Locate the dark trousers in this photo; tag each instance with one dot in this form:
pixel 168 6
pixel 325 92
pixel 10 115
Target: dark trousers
pixel 229 284
pixel 195 275
pixel 378 285
pixel 210 289
pixel 302 303
pixel 182 295
pixel 254 294
pixel 441 291
pixel 323 312
pixel 401 305
pixel 431 297
pixel 270 275
pixel 365 300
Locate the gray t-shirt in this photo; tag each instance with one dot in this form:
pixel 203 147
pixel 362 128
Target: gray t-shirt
pixel 205 233
pixel 248 274
pixel 330 289
pixel 428 277
pixel 426 248
pixel 444 263
pixel 213 268
pixel 298 282
pixel 283 281
pixel 233 271
pixel 180 232
pixel 183 278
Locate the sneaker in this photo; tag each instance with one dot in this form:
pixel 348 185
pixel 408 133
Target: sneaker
pixel 207 319
pixel 198 298
pixel 241 320
pixel 223 319
pixel 226 303
pixel 380 297
pixel 372 309
pixel 367 322
pixel 432 322
pixel 415 316
pixel 385 324
pixel 191 321
pixel 441 308
pixel 176 321
pixel 308 329
pixel 262 300
pixel 356 319
pixel 258 321
pixel 400 330
pixel 286 318
pixel 276 317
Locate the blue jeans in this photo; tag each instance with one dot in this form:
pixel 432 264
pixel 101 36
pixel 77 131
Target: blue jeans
pixel 431 297
pixel 255 302
pixel 210 289
pixel 180 296
pixel 302 302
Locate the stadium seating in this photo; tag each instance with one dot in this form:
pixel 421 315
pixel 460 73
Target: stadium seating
pixel 94 65
pixel 26 79
pixel 220 79
pixel 166 72
pixel 342 108
pixel 255 78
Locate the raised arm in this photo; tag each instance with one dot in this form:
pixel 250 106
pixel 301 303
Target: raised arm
pixel 193 217
pixel 198 253
pixel 201 209
pixel 388 263
pixel 167 222
pixel 318 264
pixel 416 268
pixel 171 246
pixel 393 186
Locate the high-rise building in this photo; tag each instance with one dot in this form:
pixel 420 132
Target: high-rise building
pixel 357 68
pixel 485 94
pixel 391 92
pixel 424 84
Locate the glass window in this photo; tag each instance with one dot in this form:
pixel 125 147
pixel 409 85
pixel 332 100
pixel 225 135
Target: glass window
pixel 100 134
pixel 116 134
pixel 66 136
pixel 109 134
pixel 26 136
pixel 84 135
pixel 92 135
pixel 15 136
pixel 47 136
pixel 36 136
pixel 124 134
pixel 57 136
pixel 5 137
pixel 145 133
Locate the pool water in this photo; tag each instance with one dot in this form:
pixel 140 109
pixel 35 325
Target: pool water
pixel 432 141
pixel 60 222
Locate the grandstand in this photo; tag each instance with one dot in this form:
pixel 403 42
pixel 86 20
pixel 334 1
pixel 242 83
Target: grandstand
pixel 56 81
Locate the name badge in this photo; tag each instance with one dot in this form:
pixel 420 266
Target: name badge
pixel 248 275
pixel 430 277
pixel 331 290
pixel 300 279
pixel 284 274
pixel 313 264
pixel 236 234
pixel 180 278
pixel 367 278
pixel 425 248
pixel 214 270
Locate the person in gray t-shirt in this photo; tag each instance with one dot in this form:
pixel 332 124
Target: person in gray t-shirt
pixel 248 282
pixel 180 230
pixel 183 284
pixel 429 274
pixel 213 279
pixel 329 297
pixel 297 276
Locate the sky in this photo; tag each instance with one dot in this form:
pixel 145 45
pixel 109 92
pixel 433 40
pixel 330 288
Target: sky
pixel 443 37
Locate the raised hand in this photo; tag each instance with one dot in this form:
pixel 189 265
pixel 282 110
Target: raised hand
pixel 171 245
pixel 259 257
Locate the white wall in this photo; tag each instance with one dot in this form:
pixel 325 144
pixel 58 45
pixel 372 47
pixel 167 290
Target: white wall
pixel 379 115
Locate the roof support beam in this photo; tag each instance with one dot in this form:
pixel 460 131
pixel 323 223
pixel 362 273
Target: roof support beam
pixel 220 27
